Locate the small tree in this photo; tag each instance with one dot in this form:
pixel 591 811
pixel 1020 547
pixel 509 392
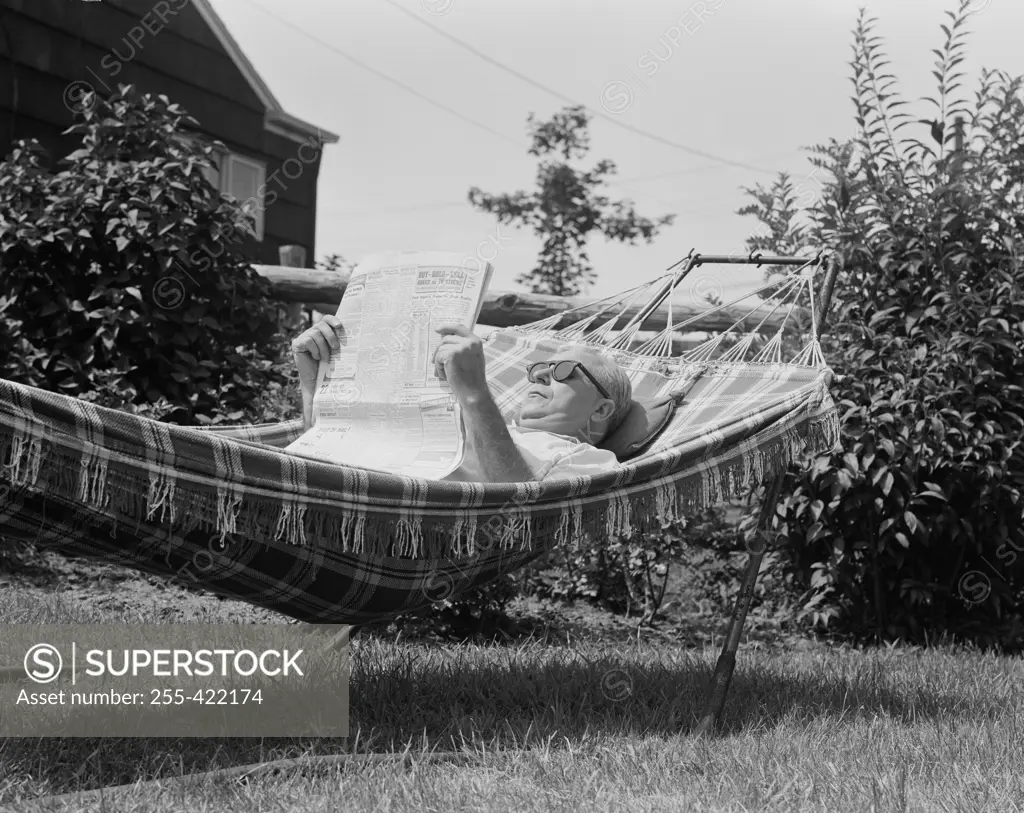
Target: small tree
pixel 334 262
pixel 567 206
pixel 119 280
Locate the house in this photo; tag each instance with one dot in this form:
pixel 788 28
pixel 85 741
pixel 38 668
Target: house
pixel 53 51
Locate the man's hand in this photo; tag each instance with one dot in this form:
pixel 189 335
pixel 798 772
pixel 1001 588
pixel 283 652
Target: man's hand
pixel 460 361
pixel 491 454
pixel 320 339
pixel 309 349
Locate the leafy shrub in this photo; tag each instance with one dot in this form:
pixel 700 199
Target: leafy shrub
pixel 479 611
pixel 715 562
pixel 631 575
pixel 914 525
pixel 118 280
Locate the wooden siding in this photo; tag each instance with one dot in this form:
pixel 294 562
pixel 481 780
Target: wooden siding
pixel 57 42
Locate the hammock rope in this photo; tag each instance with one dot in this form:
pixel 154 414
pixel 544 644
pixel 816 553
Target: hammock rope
pixel 549 323
pixel 686 265
pixel 737 353
pixel 660 344
pixel 577 330
pixel 776 287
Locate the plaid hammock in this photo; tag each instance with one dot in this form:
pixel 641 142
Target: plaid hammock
pixel 224 508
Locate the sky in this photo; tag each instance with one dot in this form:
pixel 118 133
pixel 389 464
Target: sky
pixel 737 86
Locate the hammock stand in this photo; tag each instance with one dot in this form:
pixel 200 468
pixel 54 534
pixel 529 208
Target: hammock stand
pixel 72 477
pixel 714 700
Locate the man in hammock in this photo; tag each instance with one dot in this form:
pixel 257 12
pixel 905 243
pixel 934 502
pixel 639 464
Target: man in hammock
pixel 575 400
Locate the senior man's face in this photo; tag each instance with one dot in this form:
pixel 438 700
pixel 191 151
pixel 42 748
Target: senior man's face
pixel 563 407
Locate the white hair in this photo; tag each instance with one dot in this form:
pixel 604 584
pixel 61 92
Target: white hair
pixel 613 378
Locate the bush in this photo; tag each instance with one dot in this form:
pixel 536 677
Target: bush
pixel 118 281
pixel 632 575
pixel 480 611
pixel 913 527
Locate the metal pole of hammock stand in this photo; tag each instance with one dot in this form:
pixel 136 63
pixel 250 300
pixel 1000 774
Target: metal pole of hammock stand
pixel 758 259
pixel 342 639
pixel 714 700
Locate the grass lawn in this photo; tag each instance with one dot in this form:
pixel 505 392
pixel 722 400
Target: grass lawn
pixel 585 714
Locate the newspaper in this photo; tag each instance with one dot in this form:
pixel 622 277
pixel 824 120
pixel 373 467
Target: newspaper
pixel 378 402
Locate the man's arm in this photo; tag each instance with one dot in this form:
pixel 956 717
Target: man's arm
pixel 490 451
pixel 308 368
pixel 491 454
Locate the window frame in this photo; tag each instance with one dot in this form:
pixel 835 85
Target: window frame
pixel 227 159
pixel 224 159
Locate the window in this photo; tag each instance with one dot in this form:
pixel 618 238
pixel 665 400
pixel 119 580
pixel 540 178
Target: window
pixel 241 177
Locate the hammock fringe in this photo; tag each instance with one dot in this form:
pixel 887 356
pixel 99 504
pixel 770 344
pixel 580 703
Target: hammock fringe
pixel 95 482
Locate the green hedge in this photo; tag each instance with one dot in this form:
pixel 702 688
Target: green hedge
pixel 120 276
pixel 913 528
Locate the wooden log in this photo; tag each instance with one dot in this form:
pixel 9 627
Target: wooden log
pixel 680 344
pixel 507 309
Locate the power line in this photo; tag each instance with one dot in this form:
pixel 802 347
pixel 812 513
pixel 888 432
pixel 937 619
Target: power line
pixel 398 210
pixel 387 78
pixel 440 105
pixel 422 207
pixel 447 204
pixel 522 77
pixel 694 170
pixel 503 136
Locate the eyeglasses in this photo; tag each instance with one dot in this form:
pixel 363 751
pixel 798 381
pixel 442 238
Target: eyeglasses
pixel 562 370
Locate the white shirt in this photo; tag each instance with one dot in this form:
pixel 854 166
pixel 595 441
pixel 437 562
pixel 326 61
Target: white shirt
pixel 551 456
